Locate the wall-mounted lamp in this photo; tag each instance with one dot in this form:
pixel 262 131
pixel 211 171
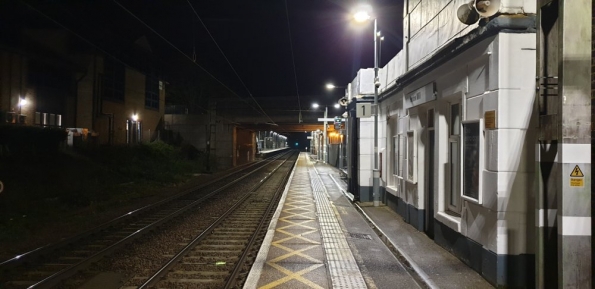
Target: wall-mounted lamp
pixel 22 101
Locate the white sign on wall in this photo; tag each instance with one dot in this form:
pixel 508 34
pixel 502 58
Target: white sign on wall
pixel 363 110
pixel 421 95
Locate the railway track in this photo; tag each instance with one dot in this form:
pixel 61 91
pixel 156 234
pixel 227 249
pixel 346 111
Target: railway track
pixel 220 257
pixel 52 264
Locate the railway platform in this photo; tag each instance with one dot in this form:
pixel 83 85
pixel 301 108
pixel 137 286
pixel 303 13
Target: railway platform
pixel 320 239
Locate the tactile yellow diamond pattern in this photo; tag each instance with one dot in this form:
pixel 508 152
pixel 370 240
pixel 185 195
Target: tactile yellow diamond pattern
pixel 309 248
pixel 296 255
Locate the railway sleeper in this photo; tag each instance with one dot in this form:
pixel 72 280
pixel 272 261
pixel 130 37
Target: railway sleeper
pixel 218 247
pixel 216 266
pixel 209 260
pixel 224 241
pixel 202 274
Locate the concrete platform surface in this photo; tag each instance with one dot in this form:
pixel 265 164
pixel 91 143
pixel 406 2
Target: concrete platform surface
pixel 320 239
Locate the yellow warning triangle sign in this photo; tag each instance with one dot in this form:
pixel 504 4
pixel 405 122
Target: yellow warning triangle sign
pixel 576 172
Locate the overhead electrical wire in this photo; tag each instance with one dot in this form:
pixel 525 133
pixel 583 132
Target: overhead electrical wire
pixel 189 58
pixel 226 59
pixel 104 51
pixel 297 90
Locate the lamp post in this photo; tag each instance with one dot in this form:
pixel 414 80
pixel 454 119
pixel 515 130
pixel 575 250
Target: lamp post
pixel 315 105
pixel 363 16
pixel 324 136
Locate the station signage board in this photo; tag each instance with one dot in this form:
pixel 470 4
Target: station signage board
pixel 421 95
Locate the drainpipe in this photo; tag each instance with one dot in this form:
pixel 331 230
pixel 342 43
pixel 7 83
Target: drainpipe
pixel 76 96
pixel 10 81
pixel 20 78
pixel 98 100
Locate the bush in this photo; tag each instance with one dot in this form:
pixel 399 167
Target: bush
pixel 21 140
pixel 156 161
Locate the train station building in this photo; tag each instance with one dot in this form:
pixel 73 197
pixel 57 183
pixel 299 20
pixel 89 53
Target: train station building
pixel 464 133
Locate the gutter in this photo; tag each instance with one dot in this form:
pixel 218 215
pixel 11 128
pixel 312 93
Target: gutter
pixel 501 24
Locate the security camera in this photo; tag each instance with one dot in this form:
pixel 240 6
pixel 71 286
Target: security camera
pixel 377 82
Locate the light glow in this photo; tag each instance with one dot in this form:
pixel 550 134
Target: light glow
pixel 315 105
pixel 361 16
pixel 135 117
pixel 330 86
pixel 22 102
pixel 337 105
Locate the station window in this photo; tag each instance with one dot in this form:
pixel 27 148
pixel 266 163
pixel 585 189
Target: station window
pixel 113 80
pixel 152 90
pixel 395 149
pixel 394 156
pixel 454 159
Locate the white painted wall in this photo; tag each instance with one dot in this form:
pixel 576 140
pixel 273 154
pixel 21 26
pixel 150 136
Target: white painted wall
pixel 366 151
pixel 429 25
pixel 496 74
pixel 362 84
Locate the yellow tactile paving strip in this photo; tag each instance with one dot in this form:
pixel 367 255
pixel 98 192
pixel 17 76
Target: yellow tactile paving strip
pixel 341 263
pixel 296 257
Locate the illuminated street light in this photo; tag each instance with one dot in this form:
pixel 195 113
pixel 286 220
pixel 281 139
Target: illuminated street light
pixel 363 15
pixel 331 86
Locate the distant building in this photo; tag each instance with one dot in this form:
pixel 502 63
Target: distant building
pixel 47 78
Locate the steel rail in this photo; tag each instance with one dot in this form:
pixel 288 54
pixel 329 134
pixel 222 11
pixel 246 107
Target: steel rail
pixel 265 220
pixel 57 277
pixel 28 256
pixel 156 277
pixel 73 269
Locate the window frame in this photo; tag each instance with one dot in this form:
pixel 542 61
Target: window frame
pixel 411 176
pixel 394 159
pixel 113 80
pixel 152 91
pixel 480 155
pixel 454 138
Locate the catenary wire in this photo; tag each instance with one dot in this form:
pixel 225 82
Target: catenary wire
pixel 188 57
pixel 297 90
pixel 226 59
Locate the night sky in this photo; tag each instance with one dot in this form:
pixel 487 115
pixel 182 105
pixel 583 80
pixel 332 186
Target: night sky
pixel 274 50
pixel 257 38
